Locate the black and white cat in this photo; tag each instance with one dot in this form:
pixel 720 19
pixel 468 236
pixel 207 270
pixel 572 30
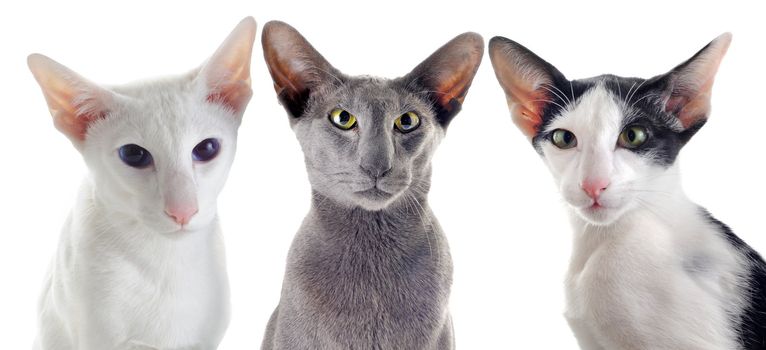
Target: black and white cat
pixel 650 269
pixel 141 262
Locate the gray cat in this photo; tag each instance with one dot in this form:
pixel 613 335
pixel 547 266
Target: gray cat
pixel 370 267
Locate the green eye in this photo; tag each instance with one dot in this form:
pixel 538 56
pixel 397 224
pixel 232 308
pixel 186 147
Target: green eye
pixel 342 119
pixel 632 137
pixel 407 122
pixel 563 139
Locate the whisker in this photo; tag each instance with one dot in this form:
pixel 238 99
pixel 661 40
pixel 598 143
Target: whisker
pixel 642 97
pixel 571 90
pixel 421 213
pixel 619 90
pixel 628 94
pixel 563 97
pixel 550 101
pixel 328 73
pixel 635 91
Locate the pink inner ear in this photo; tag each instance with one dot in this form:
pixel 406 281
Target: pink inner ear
pixel 234 96
pixel 691 105
pixel 526 106
pixel 76 125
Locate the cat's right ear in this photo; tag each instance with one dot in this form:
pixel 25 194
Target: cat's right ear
pixel 528 82
pixel 295 66
pixel 73 101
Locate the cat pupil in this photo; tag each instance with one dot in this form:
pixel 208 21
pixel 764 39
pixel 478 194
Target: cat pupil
pixel 344 117
pixel 406 120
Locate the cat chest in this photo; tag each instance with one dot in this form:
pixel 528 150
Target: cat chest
pixel 369 301
pixel 165 307
pixel 639 292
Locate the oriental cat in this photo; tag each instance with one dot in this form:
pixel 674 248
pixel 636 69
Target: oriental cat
pixel 140 262
pixel 650 269
pixel 369 267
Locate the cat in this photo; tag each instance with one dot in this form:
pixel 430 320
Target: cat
pixel 369 267
pixel 140 262
pixel 650 269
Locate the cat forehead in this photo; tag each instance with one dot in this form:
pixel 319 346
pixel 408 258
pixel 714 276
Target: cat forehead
pixel 158 91
pixel 595 109
pixel 372 95
pixel 165 111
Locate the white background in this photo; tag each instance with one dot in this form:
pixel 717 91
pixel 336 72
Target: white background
pixel 494 197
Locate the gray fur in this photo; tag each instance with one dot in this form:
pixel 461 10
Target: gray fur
pixel 370 267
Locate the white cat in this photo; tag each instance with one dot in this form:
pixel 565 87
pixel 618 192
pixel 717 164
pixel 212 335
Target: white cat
pixel 650 269
pixel 141 264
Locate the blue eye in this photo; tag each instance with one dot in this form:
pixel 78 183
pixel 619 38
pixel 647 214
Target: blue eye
pixel 135 156
pixel 206 150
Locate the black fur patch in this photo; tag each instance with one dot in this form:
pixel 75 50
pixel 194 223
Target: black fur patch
pixel 752 327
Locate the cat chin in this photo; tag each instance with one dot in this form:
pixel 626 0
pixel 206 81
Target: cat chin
pixel 374 200
pixel 599 216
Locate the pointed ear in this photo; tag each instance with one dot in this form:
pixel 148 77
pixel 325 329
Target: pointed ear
pixel 687 88
pixel 73 101
pixel 295 66
pixel 447 74
pixel 227 72
pixel 528 82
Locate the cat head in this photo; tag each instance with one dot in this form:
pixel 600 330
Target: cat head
pixel 610 142
pixel 366 140
pixel 158 151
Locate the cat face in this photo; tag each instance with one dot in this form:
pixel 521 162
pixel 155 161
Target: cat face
pixel 367 141
pixel 610 142
pixel 159 152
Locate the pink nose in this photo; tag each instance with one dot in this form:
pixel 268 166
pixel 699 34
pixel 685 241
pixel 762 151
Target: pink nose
pixel 181 214
pixel 594 187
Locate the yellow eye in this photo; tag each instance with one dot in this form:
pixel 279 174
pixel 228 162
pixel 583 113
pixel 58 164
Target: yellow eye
pixel 407 122
pixel 633 136
pixel 563 139
pixel 342 119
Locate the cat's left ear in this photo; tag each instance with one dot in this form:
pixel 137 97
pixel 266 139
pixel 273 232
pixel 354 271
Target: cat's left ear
pixel 227 73
pixel 447 74
pixel 686 89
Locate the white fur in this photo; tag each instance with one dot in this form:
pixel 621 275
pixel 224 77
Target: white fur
pixel 648 271
pixel 126 275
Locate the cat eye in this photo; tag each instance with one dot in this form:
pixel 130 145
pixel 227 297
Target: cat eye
pixel 407 122
pixel 135 156
pixel 342 119
pixel 632 137
pixel 563 139
pixel 206 150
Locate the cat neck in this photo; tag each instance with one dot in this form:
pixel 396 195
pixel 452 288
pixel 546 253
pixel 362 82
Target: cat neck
pixel 409 215
pixel 670 217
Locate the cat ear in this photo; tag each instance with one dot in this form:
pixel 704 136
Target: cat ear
pixel 528 82
pixel 447 74
pixel 295 66
pixel 227 72
pixel 687 88
pixel 73 101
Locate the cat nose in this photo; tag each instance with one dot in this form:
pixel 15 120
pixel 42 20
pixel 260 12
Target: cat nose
pixel 376 171
pixel 181 214
pixel 594 187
